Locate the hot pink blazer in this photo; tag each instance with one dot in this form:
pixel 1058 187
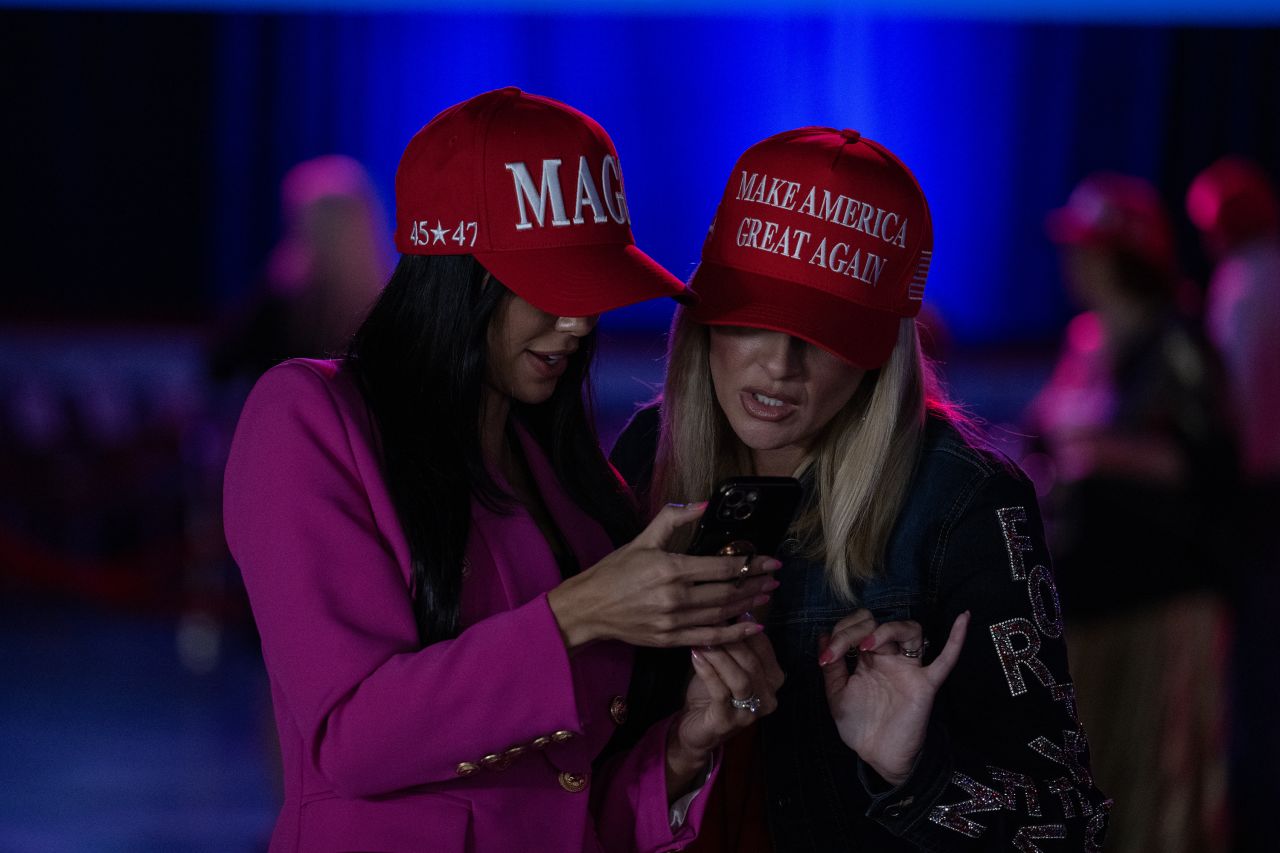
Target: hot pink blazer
pixel 472 744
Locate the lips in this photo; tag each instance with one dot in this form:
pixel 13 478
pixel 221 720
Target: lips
pixel 766 407
pixel 549 365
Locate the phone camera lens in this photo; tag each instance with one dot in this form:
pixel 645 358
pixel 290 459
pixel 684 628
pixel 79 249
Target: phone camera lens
pixel 734 498
pixel 752 496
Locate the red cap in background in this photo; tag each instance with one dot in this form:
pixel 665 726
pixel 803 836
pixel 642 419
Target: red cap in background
pixel 1117 212
pixel 1233 202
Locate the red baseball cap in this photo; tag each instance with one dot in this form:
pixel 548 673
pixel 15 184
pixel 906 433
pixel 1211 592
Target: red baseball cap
pixel 532 188
pixel 822 234
pixel 1232 201
pixel 1116 212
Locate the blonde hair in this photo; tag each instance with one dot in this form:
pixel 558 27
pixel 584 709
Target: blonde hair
pixel 861 463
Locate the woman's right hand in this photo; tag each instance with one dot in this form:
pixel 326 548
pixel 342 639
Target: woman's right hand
pixel 645 596
pixel 881 709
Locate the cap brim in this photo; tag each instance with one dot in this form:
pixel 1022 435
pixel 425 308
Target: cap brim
pixel 578 281
pixel 862 336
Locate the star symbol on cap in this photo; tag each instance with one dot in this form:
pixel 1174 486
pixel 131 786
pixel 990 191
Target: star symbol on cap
pixel 439 231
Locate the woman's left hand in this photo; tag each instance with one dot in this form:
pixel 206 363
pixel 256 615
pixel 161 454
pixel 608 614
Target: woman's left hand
pixel 882 708
pixel 746 670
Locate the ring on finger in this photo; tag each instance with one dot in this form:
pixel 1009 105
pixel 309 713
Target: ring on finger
pixel 917 651
pixel 750 704
pixel 744 549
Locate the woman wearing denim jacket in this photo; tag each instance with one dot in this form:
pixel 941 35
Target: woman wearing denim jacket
pixel 894 730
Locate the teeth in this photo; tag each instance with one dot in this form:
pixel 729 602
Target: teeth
pixel 768 401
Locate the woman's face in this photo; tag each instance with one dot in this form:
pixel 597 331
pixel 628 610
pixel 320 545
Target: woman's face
pixel 778 392
pixel 529 349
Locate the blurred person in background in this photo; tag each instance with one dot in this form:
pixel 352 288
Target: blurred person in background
pixel 446 573
pixel 1141 463
pixel 1233 204
pixel 331 260
pixel 328 267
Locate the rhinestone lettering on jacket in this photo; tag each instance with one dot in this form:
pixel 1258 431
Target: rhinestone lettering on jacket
pixel 1017 644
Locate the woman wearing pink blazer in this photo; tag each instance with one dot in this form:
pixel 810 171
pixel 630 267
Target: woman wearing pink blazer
pixel 430 536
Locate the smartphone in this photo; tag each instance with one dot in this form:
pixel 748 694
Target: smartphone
pixel 747 515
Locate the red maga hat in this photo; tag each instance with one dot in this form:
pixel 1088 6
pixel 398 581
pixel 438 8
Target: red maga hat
pixel 822 234
pixel 532 188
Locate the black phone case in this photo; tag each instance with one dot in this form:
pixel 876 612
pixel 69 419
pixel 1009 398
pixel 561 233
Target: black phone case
pixel 747 514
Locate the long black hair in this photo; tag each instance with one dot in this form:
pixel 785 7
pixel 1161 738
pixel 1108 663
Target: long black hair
pixel 420 359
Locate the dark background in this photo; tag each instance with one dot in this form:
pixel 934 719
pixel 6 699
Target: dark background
pixel 142 156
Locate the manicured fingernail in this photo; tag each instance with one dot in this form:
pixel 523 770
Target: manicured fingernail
pixel 771 584
pixel 868 644
pixel 825 658
pixel 675 505
pixel 759 600
pixel 747 617
pixel 753 628
pixel 693 653
pixel 771 565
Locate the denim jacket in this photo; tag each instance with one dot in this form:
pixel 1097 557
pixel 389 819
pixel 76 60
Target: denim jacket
pixel 1005 764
